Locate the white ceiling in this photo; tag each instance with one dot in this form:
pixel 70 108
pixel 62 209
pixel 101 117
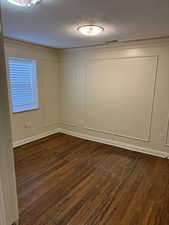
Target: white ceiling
pixel 54 22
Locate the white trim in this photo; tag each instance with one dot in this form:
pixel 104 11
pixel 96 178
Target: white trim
pixel 12 41
pixel 124 44
pixel 68 124
pixel 123 57
pixel 116 134
pixel 2 207
pixel 167 134
pixel 146 139
pixel 119 144
pixel 35 138
pixel 123 145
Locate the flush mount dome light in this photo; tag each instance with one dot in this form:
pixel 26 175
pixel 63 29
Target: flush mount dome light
pixel 24 3
pixel 90 30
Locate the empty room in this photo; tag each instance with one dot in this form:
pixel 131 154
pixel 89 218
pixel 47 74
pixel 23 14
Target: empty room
pixel 84 116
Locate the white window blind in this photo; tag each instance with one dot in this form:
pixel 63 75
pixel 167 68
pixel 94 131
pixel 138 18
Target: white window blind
pixel 23 83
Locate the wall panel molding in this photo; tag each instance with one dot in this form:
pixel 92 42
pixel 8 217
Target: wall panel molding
pixel 119 144
pixel 68 124
pixel 116 134
pixel 167 134
pixel 152 103
pixel 122 57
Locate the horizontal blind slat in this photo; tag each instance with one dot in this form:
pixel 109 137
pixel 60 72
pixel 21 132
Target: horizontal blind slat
pixel 23 82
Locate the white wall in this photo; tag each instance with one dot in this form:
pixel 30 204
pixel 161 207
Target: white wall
pixel 118 93
pixel 28 125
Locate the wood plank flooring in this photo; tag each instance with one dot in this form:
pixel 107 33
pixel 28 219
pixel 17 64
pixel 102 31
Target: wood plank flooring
pixel 64 180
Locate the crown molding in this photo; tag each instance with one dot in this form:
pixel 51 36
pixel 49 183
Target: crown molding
pixel 10 40
pixel 150 42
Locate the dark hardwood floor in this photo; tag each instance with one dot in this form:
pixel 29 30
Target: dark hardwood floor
pixel 63 180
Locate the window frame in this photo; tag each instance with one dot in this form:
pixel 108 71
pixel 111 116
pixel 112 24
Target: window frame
pixel 35 76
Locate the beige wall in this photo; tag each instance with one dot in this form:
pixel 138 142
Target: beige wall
pixel 26 125
pixel 118 93
pixel 8 197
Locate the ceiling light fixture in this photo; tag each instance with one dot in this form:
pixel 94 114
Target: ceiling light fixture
pixel 24 3
pixel 90 30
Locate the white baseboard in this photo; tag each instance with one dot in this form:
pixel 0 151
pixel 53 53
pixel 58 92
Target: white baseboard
pixel 35 138
pixel 123 145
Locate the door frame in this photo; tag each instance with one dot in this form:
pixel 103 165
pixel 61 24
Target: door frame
pixel 2 207
pixel 8 195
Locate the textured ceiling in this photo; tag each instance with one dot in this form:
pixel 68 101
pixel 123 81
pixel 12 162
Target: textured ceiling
pixel 54 22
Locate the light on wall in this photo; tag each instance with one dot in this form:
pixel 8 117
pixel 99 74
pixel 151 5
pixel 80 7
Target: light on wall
pixel 90 30
pixel 24 3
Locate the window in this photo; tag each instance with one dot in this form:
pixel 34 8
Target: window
pixel 23 83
